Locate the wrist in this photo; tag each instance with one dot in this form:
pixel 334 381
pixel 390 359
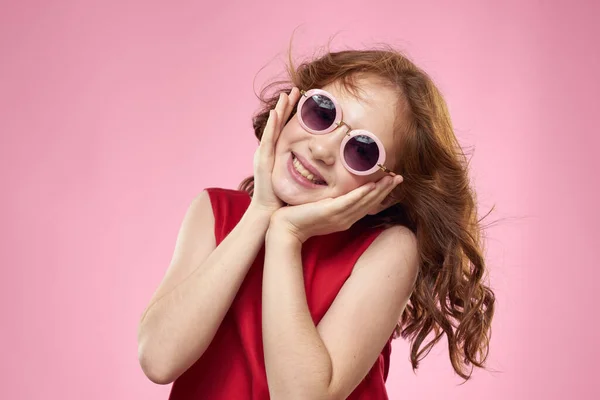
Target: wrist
pixel 279 232
pixel 257 217
pixel 258 212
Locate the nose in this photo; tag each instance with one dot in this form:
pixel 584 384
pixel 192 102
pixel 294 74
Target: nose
pixel 326 148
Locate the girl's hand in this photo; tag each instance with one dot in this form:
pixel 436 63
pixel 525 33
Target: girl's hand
pixel 331 215
pixel 263 198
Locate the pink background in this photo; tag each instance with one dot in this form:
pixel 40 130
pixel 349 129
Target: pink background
pixel 115 114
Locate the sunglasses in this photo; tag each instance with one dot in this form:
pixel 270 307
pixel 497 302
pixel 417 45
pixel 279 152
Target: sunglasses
pixel 361 152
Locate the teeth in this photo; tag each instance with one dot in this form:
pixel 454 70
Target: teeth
pixel 303 171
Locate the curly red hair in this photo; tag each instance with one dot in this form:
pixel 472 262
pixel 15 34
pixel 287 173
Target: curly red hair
pixel 436 201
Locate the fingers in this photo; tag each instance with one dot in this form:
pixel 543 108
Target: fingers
pixel 365 196
pixel 343 211
pixel 384 188
pixel 345 203
pixel 293 98
pixel 266 141
pixel 273 126
pixel 284 108
pixel 280 108
pixel 277 118
pixel 377 195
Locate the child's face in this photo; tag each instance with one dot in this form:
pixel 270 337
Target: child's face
pixel 375 112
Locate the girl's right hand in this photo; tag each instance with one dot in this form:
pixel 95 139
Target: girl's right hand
pixel 264 199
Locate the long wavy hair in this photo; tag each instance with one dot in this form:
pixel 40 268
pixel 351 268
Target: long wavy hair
pixel 435 200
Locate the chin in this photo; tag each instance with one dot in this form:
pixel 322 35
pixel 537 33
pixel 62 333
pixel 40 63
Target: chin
pixel 287 193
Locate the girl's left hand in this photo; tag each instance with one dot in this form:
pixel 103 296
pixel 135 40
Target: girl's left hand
pixel 332 214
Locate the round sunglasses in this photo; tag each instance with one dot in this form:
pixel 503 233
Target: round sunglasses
pixel 361 152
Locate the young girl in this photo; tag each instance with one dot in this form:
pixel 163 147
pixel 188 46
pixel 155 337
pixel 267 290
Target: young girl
pixel 358 226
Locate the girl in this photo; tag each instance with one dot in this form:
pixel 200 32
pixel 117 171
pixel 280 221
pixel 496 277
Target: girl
pixel 358 226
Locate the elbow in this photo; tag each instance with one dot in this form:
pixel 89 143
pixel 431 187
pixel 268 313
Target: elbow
pixel 155 370
pixel 314 383
pixel 303 395
pixel 303 392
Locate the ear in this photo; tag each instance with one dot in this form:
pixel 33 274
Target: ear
pixel 386 203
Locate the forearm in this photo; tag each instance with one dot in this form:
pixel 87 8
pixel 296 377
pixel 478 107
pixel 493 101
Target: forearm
pixel 176 329
pixel 297 362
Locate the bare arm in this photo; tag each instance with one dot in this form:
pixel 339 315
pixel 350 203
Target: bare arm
pixel 197 290
pixel 328 361
pixel 203 279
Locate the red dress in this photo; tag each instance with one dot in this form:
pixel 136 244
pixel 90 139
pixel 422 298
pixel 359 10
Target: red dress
pixel 233 366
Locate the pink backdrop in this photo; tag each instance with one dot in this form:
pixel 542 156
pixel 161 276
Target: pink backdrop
pixel 115 114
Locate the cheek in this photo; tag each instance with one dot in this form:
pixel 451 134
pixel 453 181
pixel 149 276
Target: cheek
pixel 281 144
pixel 286 138
pixel 348 182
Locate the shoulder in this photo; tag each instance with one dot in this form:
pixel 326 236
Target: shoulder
pixel 398 237
pixel 395 250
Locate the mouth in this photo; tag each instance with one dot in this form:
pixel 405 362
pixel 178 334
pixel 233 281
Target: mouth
pixel 306 171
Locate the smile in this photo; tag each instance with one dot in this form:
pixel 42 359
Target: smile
pixel 298 167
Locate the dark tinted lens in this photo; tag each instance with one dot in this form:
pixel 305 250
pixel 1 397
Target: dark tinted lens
pixel 361 153
pixel 318 112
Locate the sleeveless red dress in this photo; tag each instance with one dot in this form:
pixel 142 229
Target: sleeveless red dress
pixel 233 366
